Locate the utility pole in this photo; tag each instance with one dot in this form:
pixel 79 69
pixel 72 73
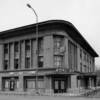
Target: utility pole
pixel 37 51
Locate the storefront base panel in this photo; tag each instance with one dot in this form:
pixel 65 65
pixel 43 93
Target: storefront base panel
pixel 49 91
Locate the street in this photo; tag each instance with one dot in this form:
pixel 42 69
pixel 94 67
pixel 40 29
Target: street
pixel 15 97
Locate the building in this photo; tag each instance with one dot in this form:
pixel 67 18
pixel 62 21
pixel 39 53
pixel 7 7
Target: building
pixel 98 77
pixel 66 61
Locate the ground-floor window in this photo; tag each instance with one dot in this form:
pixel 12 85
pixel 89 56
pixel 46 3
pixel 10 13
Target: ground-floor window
pixel 10 84
pixel 56 85
pixel 62 84
pixel 40 84
pixel 6 84
pixel 30 83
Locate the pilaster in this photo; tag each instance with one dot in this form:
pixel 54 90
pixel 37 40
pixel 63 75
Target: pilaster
pixel 48 51
pixel 66 53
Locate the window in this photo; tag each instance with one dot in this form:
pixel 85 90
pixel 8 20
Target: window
pixel 62 84
pixel 72 56
pixel 30 84
pixel 27 62
pixel 5 64
pixel 40 45
pixel 27 45
pixel 10 83
pixel 88 69
pixel 85 68
pixel 56 85
pixel 40 84
pixel 58 43
pixel 6 86
pixel 80 67
pixel 16 64
pixel 84 56
pixel 40 61
pixel 87 58
pixel 58 61
pixel 16 47
pixel 5 48
pixel 81 53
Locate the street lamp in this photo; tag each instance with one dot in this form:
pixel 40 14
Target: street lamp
pixel 29 6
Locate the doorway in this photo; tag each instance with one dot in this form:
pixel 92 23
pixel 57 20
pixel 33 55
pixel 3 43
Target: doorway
pixel 9 83
pixel 60 85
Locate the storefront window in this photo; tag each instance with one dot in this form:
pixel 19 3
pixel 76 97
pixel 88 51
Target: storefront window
pixel 10 84
pixel 30 84
pixel 56 85
pixel 62 85
pixel 40 84
pixel 6 84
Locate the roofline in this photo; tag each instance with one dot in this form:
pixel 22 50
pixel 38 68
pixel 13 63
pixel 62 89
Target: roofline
pixel 40 24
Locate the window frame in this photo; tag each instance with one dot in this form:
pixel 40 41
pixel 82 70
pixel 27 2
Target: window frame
pixel 16 63
pixel 27 62
pixel 58 42
pixel 58 60
pixel 6 62
pixel 39 61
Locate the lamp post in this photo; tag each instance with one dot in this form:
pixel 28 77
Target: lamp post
pixel 29 6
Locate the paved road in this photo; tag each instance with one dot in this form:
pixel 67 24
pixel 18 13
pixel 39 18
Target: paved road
pixel 11 97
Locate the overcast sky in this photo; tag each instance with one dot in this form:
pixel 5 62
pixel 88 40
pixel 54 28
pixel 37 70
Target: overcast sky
pixel 84 14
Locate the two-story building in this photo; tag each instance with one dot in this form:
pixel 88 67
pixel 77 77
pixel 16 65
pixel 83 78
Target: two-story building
pixel 65 59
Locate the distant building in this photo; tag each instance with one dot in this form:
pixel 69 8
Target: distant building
pixel 66 62
pixel 98 77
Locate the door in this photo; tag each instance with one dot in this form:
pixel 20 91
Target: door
pixel 59 86
pixel 12 85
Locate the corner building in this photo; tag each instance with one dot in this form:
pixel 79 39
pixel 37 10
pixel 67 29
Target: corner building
pixel 66 62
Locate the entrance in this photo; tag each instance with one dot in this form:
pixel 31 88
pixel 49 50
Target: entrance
pixel 59 85
pixel 12 84
pixel 9 83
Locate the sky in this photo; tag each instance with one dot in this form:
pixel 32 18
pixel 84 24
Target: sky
pixel 83 14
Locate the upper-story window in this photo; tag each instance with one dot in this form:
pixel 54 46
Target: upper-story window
pixel 5 48
pixel 58 61
pixel 81 53
pixel 90 61
pixel 40 45
pixel 6 67
pixel 87 58
pixel 27 45
pixel 40 61
pixel 85 68
pixel 72 56
pixel 80 67
pixel 16 63
pixel 6 58
pixel 27 62
pixel 16 47
pixel 58 43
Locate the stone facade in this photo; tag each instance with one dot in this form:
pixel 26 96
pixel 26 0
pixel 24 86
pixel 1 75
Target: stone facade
pixel 60 71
